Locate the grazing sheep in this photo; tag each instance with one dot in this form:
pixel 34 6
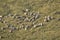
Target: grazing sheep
pixel 30 14
pixel 22 26
pixel 4 22
pixel 10 31
pixel 36 16
pixel 33 23
pixel 0 19
pixel 17 28
pixel 58 12
pixel 52 17
pixel 10 15
pixel 45 17
pixel 0 16
pixel 9 25
pixel 45 20
pixel 27 10
pixel 26 27
pixel 3 28
pixel 21 18
pixel 35 26
pixel 40 24
pixel 32 19
pixel 12 28
pixel 48 18
pixel 26 19
pixel 25 13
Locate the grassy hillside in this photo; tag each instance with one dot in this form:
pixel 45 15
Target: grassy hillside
pixel 9 9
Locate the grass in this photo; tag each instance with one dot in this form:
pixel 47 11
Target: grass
pixel 50 31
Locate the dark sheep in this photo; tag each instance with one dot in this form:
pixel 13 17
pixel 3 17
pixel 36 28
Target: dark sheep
pixel 57 12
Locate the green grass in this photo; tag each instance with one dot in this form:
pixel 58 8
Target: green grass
pixel 50 31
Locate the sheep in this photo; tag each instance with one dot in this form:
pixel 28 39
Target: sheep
pixel 58 19
pixel 9 15
pixel 35 26
pixel 0 19
pixel 27 10
pixel 12 28
pixel 48 18
pixel 45 17
pixel 32 19
pixel 3 28
pixel 10 31
pixel 4 22
pixel 38 24
pixel 26 27
pixel 21 26
pixel 30 14
pixel 58 12
pixel 45 20
pixel 17 28
pixel 26 19
pixel 25 13
pixel 21 18
pixel 0 16
pixel 37 16
pixel 9 25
